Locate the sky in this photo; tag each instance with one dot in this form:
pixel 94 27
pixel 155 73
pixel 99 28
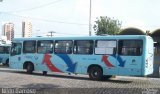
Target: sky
pixel 71 17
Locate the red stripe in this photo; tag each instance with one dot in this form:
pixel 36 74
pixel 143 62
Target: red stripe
pixel 105 60
pixel 49 64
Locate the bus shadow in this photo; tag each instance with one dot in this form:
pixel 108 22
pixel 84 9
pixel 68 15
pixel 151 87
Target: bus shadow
pixel 4 66
pixel 115 80
pixel 40 86
pixel 65 76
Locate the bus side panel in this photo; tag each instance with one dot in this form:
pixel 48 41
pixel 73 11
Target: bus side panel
pixel 131 65
pixel 36 60
pixel 46 62
pixel 16 62
pixel 78 63
pixel 84 61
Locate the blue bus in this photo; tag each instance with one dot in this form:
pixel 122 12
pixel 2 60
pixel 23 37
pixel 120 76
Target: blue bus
pixel 98 56
pixel 4 54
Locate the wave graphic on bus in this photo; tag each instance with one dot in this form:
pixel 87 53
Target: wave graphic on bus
pixel 120 60
pixel 69 62
pixel 49 64
pixel 108 63
pixel 105 60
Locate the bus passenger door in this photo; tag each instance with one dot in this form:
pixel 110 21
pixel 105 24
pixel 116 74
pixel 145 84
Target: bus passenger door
pixel 15 56
pixel 130 57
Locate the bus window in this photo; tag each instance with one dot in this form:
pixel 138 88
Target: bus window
pixel 63 47
pixel 2 50
pixel 130 47
pixel 29 47
pixel 7 49
pixel 16 49
pixel 83 47
pixel 45 46
pixel 105 47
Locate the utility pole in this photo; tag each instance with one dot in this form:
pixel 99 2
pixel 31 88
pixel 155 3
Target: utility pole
pixel 90 25
pixel 51 33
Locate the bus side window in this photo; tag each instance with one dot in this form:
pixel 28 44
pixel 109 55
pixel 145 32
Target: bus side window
pixel 130 47
pixel 138 51
pixel 45 46
pixel 83 47
pixel 108 47
pixel 63 47
pixel 29 46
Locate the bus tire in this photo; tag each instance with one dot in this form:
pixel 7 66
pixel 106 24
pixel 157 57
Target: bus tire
pixel 30 68
pixel 95 73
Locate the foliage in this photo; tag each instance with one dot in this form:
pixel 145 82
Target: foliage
pixel 106 25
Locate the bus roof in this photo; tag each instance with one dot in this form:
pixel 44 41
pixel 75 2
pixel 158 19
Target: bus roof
pixel 86 37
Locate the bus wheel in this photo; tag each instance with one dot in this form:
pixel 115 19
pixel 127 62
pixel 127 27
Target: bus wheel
pixel 30 68
pixel 95 73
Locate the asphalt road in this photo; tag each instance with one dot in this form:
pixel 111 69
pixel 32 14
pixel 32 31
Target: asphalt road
pixel 16 80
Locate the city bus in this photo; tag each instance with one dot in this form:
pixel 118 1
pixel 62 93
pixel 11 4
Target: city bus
pixel 4 54
pixel 101 57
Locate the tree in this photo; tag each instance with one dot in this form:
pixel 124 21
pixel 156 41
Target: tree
pixel 106 25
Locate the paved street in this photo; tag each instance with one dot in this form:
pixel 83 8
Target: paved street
pixel 64 83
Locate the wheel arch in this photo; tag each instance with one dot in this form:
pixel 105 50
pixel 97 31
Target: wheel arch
pixel 93 65
pixel 26 63
pixel 7 60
